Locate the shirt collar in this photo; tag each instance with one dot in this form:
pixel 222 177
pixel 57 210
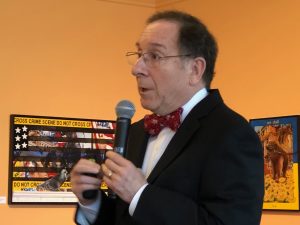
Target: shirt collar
pixel 187 107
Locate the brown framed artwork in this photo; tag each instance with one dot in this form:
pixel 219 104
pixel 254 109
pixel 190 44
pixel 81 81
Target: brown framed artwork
pixel 280 140
pixel 43 151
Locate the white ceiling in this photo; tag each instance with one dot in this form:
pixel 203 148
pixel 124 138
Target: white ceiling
pixel 145 3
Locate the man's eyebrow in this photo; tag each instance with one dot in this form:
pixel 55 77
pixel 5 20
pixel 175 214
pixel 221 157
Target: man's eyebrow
pixel 152 45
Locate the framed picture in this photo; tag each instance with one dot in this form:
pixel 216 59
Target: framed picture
pixel 43 151
pixel 280 140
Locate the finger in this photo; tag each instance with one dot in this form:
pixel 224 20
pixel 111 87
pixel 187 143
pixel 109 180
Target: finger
pixel 86 166
pixel 78 186
pixel 114 167
pixel 106 171
pixel 98 175
pixel 117 158
pixel 89 187
pixel 108 181
pixel 85 180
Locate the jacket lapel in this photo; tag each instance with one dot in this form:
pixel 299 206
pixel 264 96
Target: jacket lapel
pixel 189 126
pixel 137 143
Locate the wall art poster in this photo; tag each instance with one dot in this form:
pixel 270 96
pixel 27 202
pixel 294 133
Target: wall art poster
pixel 43 151
pixel 280 140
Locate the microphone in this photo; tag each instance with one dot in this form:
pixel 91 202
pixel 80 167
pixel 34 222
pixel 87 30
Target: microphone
pixel 124 111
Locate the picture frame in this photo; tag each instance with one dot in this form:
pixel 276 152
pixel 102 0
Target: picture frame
pixel 280 141
pixel 43 151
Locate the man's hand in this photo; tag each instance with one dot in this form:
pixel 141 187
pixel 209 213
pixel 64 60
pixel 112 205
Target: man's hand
pixel 121 176
pixel 81 181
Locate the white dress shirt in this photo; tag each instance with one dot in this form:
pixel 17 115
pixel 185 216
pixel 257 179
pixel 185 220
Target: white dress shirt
pixel 155 148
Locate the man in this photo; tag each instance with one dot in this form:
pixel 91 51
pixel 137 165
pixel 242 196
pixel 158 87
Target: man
pixel 208 171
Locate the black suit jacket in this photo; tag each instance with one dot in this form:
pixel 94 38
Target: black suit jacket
pixel 210 173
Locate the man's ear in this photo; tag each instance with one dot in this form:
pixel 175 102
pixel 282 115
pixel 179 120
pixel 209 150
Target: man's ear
pixel 198 68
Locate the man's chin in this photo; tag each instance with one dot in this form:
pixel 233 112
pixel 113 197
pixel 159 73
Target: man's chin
pixel 146 104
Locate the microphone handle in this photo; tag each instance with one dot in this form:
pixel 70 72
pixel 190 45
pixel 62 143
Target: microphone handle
pixel 121 133
pixel 120 142
pixel 90 194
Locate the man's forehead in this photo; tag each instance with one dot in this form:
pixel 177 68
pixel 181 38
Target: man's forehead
pixel 159 34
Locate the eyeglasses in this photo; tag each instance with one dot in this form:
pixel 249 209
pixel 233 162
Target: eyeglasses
pixel 150 59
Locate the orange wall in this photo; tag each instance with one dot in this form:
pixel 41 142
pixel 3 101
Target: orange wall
pixel 258 65
pixel 66 57
pixel 62 58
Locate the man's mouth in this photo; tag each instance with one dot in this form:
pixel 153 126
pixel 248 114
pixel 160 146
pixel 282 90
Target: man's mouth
pixel 143 90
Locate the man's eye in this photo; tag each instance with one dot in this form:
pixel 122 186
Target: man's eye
pixel 153 56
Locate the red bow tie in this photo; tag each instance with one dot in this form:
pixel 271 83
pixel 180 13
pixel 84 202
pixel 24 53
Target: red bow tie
pixel 154 123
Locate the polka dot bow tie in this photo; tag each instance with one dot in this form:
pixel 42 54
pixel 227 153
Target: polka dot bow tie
pixel 154 123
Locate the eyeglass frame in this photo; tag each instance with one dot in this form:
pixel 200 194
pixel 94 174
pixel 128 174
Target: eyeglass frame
pixel 142 55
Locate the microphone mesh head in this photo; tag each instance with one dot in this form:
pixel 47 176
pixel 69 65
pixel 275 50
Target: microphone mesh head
pixel 125 109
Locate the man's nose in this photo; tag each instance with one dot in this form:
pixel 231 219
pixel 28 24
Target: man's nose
pixel 139 68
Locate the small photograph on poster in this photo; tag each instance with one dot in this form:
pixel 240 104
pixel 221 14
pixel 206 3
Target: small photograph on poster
pixel 43 151
pixel 280 140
